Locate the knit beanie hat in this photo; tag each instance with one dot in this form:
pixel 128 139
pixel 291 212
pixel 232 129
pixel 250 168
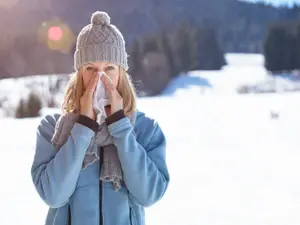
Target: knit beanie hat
pixel 100 41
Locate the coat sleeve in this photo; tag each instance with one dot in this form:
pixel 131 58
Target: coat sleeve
pixel 144 169
pixel 55 172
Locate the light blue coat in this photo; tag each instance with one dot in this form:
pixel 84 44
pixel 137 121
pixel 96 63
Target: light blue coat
pixel 61 182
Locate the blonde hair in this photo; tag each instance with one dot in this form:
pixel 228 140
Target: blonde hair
pixel 74 91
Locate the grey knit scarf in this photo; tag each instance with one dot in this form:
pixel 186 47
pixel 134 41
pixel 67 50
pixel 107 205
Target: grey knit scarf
pixel 111 170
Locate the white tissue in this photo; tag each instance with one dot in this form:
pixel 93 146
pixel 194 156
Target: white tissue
pixel 100 100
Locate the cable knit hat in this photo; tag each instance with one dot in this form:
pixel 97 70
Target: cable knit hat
pixel 100 41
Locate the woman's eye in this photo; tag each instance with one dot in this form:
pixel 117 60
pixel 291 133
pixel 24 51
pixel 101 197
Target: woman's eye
pixel 110 68
pixel 89 68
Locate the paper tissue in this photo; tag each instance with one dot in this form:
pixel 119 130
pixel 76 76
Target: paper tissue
pixel 100 100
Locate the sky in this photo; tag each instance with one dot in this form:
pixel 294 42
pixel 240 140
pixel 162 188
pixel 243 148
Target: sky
pixel 277 2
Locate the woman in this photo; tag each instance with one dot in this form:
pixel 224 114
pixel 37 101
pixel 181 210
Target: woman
pixel 93 172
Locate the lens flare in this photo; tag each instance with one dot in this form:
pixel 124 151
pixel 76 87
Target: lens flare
pixel 57 36
pixel 55 33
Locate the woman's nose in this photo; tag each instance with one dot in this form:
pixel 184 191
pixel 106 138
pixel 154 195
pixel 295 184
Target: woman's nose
pixel 100 67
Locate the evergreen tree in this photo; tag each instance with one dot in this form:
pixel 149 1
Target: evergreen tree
pixel 216 59
pixel 151 44
pixel 291 50
pixel 208 54
pixel 183 50
pixel 274 48
pixel 168 51
pixel 135 57
pixel 29 108
pixel 135 64
pixel 21 111
pixel 282 47
pixel 296 57
pixel 199 54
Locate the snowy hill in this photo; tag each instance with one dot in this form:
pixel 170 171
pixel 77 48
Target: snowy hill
pixel 47 87
pixel 244 73
pixel 231 161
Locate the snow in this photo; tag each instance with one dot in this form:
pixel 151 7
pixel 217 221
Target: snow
pixel 230 162
pixel 244 73
pixel 45 86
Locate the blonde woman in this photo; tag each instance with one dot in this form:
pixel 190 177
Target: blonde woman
pixel 101 161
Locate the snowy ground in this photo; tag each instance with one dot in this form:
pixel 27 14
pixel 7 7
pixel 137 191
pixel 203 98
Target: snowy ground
pixel 230 163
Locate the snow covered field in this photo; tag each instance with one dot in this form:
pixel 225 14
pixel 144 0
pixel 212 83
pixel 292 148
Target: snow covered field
pixel 230 162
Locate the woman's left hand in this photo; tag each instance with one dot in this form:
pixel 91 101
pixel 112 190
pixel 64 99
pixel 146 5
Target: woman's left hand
pixel 115 98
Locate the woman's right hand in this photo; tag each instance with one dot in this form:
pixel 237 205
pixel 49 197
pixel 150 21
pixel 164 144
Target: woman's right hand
pixel 86 101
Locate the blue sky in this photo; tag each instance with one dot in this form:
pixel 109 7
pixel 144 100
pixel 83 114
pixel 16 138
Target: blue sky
pixel 277 2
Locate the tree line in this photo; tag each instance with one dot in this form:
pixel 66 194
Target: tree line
pixel 186 48
pixel 282 47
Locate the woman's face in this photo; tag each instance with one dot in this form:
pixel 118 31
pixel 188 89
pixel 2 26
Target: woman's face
pixel 110 69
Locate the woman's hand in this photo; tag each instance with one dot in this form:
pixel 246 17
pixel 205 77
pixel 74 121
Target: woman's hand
pixel 86 101
pixel 116 101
